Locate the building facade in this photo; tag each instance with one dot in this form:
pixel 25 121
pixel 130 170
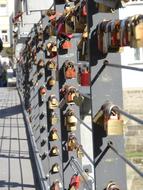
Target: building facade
pixel 6 12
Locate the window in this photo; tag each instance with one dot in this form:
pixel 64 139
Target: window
pixel 4 36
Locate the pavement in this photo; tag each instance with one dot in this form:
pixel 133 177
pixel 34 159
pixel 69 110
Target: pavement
pixel 15 160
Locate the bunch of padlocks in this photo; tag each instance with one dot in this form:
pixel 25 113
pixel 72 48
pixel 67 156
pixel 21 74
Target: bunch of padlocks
pixel 111 35
pixel 56 65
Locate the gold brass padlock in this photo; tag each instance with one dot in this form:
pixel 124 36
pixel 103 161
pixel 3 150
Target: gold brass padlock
pixel 51 81
pixel 70 120
pixel 54 135
pixel 70 116
pixel 115 125
pixel 72 143
pixel 79 151
pixel 51 49
pixel 53 118
pixel 112 185
pixel 53 102
pixel 71 127
pixel 54 151
pixel 55 168
pixel 137 39
pixel 51 65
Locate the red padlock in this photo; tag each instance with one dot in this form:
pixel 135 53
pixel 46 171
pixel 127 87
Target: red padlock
pixel 84 9
pixel 66 44
pixel 75 181
pixel 42 90
pixel 85 77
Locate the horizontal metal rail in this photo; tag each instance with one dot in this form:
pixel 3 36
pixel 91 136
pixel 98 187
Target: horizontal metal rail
pixel 122 66
pixel 140 121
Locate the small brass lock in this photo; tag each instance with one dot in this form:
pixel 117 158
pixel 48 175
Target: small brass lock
pixel 70 117
pixel 51 49
pixel 55 168
pixel 53 102
pixel 54 151
pixel 79 151
pixel 53 118
pixel 112 186
pixel 54 135
pixel 51 65
pixel 115 127
pixel 71 144
pixel 51 81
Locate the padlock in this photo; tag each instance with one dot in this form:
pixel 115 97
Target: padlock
pixel 114 44
pixel 51 81
pixel 51 65
pixel 54 151
pixel 75 182
pixel 65 44
pixel 55 168
pixel 41 63
pixel 70 93
pixel 72 143
pixel 69 70
pixel 70 117
pixel 43 90
pixel 79 152
pixel 112 186
pixel 85 76
pixel 103 37
pixel 137 32
pixel 83 46
pixel 71 127
pixel 53 102
pixel 55 186
pixel 78 99
pixel 53 118
pixel 51 49
pixel 54 135
pixel 84 9
pixel 80 21
pixel 115 126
